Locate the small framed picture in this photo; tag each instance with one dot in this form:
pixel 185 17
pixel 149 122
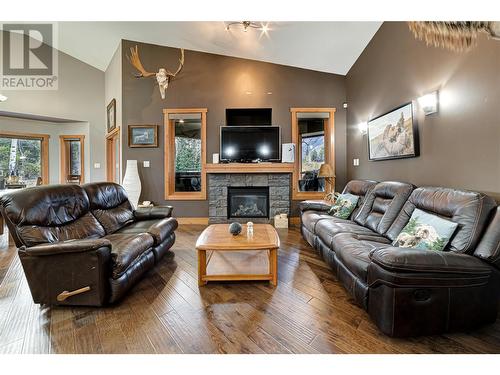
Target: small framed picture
pixel 394 135
pixel 143 135
pixel 111 115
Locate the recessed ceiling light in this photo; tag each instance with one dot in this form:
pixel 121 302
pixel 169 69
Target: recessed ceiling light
pixel 269 93
pixel 248 92
pixel 3 98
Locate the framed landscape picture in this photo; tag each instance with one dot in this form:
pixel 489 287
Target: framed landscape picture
pixel 111 116
pixel 393 135
pixel 143 135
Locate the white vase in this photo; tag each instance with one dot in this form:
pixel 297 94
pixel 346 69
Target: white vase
pixel 132 183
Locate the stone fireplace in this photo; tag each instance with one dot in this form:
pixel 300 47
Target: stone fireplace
pixel 256 197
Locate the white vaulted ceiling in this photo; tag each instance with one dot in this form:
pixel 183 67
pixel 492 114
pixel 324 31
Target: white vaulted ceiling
pixel 331 47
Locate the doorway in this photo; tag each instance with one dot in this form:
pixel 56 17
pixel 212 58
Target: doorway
pixel 113 156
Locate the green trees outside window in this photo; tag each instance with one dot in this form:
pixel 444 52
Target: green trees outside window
pixel 187 154
pixel 22 158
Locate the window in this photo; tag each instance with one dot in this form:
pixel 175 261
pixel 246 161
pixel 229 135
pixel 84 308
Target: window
pixel 312 132
pixel 185 154
pixel 23 160
pixel 72 159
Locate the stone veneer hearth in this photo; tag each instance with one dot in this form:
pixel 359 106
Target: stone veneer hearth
pixel 279 193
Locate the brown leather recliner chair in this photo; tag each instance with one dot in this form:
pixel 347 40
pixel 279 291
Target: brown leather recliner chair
pixel 410 292
pixel 84 245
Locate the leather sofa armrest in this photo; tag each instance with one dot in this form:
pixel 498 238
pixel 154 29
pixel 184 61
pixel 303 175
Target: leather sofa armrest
pixel 152 213
pixel 64 247
pixel 74 272
pixel 314 205
pixel 398 259
pixel 162 229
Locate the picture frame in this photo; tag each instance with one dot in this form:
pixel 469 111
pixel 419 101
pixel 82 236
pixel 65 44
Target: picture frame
pixel 144 136
pixel 111 116
pixel 394 134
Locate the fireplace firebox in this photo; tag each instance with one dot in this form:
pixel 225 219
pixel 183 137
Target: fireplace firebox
pixel 248 202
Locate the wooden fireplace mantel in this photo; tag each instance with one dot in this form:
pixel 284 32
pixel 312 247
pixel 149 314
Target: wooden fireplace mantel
pixel 249 168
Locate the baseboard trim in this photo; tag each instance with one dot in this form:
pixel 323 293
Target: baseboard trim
pixel 193 220
pixel 294 221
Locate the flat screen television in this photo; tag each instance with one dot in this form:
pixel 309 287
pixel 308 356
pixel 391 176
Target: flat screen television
pixel 250 143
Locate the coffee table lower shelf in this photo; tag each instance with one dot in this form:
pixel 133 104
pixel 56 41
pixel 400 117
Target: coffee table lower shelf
pixel 244 265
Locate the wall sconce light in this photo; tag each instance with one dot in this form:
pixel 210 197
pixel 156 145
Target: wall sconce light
pixel 3 98
pixel 429 103
pixel 363 127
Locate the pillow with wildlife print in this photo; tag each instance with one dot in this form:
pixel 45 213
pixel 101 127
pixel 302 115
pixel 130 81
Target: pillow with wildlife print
pixel 343 206
pixel 426 231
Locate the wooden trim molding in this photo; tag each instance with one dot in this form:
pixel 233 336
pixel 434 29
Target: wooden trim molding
pixel 294 220
pixel 167 111
pixel 329 151
pixel 63 160
pixel 45 149
pixel 169 156
pixel 312 109
pixel 250 168
pixel 113 132
pixel 192 220
pixel 112 138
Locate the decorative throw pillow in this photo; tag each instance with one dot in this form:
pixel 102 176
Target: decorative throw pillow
pixel 426 231
pixel 344 205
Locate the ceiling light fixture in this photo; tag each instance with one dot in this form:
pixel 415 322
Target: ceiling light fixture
pixel 247 25
pixel 3 98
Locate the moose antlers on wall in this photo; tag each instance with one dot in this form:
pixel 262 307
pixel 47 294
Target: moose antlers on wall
pixel 456 36
pixel 163 77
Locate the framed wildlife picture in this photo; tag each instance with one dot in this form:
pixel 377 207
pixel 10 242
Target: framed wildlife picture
pixel 111 116
pixel 143 135
pixel 393 135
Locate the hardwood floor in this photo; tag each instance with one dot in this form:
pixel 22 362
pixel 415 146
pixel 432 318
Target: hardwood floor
pixel 309 312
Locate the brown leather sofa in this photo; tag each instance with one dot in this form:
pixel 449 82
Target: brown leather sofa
pixel 85 245
pixel 409 292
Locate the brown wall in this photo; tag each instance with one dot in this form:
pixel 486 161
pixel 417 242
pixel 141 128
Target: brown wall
pixel 460 145
pixel 219 82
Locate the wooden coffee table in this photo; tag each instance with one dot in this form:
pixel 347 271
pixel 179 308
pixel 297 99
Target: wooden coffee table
pixel 224 257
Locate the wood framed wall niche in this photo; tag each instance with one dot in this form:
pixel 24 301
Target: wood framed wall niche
pixel 175 120
pixel 329 149
pixel 65 157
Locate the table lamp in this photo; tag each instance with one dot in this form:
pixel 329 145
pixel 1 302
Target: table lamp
pixel 326 172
